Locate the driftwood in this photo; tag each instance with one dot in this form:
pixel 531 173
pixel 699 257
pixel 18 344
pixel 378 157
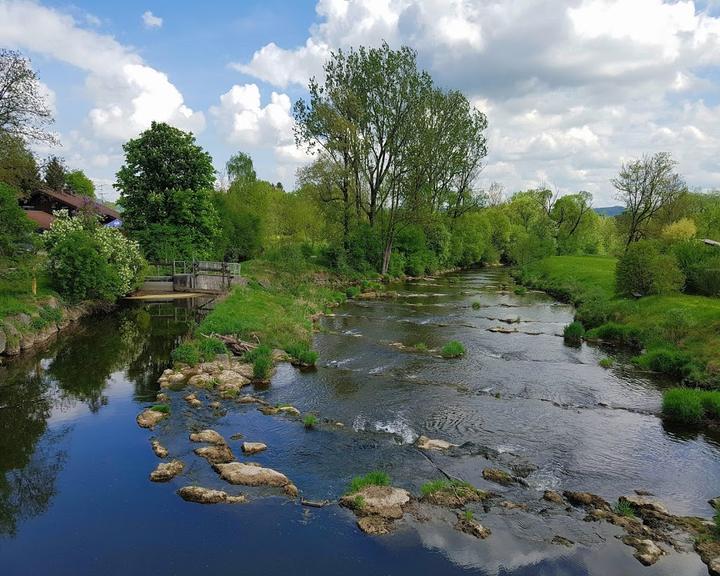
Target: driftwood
pixel 237 347
pixel 315 503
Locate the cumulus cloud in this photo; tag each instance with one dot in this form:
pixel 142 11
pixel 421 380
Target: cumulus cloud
pixel 151 21
pixel 571 89
pixel 127 93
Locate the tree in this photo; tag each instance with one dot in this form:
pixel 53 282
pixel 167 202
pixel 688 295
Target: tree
pixel 24 111
pixel 55 174
pixel 18 167
pixel 166 192
pixel 646 186
pixel 15 227
pixel 240 169
pixel 80 184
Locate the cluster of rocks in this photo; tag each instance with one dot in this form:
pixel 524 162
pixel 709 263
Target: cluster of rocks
pixel 377 507
pixel 226 374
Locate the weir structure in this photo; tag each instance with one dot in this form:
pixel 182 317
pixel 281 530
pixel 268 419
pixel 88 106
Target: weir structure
pixel 196 276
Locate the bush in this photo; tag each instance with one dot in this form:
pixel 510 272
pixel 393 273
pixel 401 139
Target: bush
pixel 573 333
pixel 15 227
pixel 669 361
pixel 453 349
pixel 302 354
pixel 352 291
pixel 621 334
pixel 186 353
pixel 644 270
pixel 376 478
pixel 595 309
pixel 683 405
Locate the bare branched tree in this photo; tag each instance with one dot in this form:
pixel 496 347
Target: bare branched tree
pixel 24 111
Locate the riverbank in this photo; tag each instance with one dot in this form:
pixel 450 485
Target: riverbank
pixel 677 334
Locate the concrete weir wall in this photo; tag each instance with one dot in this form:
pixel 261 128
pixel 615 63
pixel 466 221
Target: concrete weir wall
pixel 204 283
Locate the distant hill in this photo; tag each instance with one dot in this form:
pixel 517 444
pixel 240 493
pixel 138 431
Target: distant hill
pixel 610 210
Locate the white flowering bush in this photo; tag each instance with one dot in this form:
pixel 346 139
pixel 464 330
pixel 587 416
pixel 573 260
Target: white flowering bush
pixel 87 260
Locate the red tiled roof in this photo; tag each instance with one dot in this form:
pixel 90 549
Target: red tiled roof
pixel 42 219
pixel 80 201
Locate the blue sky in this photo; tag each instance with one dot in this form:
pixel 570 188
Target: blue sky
pixel 571 89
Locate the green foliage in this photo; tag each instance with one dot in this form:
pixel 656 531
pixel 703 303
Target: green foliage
pixel 240 169
pixel 683 405
pixel 573 333
pixel 452 349
pixel 421 347
pixel 476 305
pixel 353 291
pixel 55 174
pixel 309 421
pixel 594 309
pixel 89 261
pixel 519 290
pixel 186 353
pixel 468 515
pixel 261 358
pixel 210 347
pixel 624 508
pixel 164 408
pixel 666 360
pixel 18 167
pixel 15 227
pixel 607 362
pixel 439 485
pixel 701 266
pixel 376 478
pixel 644 270
pixel 621 334
pixel 80 184
pixel 301 353
pixel 165 189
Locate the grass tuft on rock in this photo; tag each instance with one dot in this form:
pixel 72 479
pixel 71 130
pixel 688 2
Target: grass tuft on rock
pixel 573 333
pixel 375 478
pixel 624 508
pixel 164 408
pixel 309 421
pixel 302 354
pixel 608 362
pixel 453 349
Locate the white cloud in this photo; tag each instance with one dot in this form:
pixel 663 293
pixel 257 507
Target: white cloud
pixel 571 88
pixel 150 20
pixel 127 93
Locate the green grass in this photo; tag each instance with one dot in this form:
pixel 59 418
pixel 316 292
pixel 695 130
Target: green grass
pixel 573 333
pixel 607 362
pixel 624 508
pixel 421 347
pixel 468 514
pixel 679 322
pixel 261 359
pixel 164 408
pixel 452 349
pixel 359 502
pixel 691 405
pixel 476 305
pixel 439 485
pixel 375 478
pixel 302 354
pixel 309 421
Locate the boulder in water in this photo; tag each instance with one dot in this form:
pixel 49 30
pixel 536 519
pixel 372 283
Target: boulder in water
pixel 253 447
pixel 426 443
pixel 216 454
pixel 645 503
pixel 384 501
pixel 208 436
pixel 497 476
pixel 646 551
pixel 159 449
pixel 149 418
pixel 586 499
pixel 250 475
pixel 166 471
pixel 472 527
pixel 208 496
pixel 554 497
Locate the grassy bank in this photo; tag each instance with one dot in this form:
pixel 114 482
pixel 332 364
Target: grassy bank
pixel 679 334
pixel 275 309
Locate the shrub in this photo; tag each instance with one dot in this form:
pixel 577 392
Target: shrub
pixel 573 333
pixel 683 405
pixel 302 354
pixel 15 227
pixel 595 309
pixel 352 291
pixel 644 270
pixel 453 349
pixel 375 478
pixel 186 353
pixel 309 421
pixel 210 347
pixel 624 508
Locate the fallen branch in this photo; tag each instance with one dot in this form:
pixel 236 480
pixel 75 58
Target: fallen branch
pixel 237 347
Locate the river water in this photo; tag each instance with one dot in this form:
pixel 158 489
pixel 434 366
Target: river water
pixel 75 497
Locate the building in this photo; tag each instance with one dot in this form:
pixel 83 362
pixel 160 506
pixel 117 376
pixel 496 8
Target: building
pixel 40 205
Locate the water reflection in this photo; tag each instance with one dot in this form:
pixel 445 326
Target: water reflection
pixel 42 392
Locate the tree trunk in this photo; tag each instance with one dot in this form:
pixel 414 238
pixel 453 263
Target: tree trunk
pixel 387 253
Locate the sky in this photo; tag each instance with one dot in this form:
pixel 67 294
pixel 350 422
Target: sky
pixel 572 89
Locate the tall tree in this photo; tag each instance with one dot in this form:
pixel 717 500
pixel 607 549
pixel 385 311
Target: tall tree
pixel 24 111
pixel 55 173
pixel 80 184
pixel 647 186
pixel 166 191
pixel 240 169
pixel 18 167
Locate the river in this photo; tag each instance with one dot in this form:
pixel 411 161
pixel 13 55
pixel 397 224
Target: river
pixel 75 497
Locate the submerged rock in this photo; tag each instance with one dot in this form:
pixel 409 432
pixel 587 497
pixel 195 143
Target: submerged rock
pixel 562 541
pixel 250 475
pixel 208 496
pixel 149 418
pixel 552 496
pixel 272 410
pixel 455 495
pixel 291 490
pixel 586 499
pixel 193 400
pixel 498 476
pixel 374 525
pixel 470 526
pixel 159 449
pixel 166 471
pixel 425 443
pixel 253 447
pixel 216 454
pixel 208 436
pixel 250 400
